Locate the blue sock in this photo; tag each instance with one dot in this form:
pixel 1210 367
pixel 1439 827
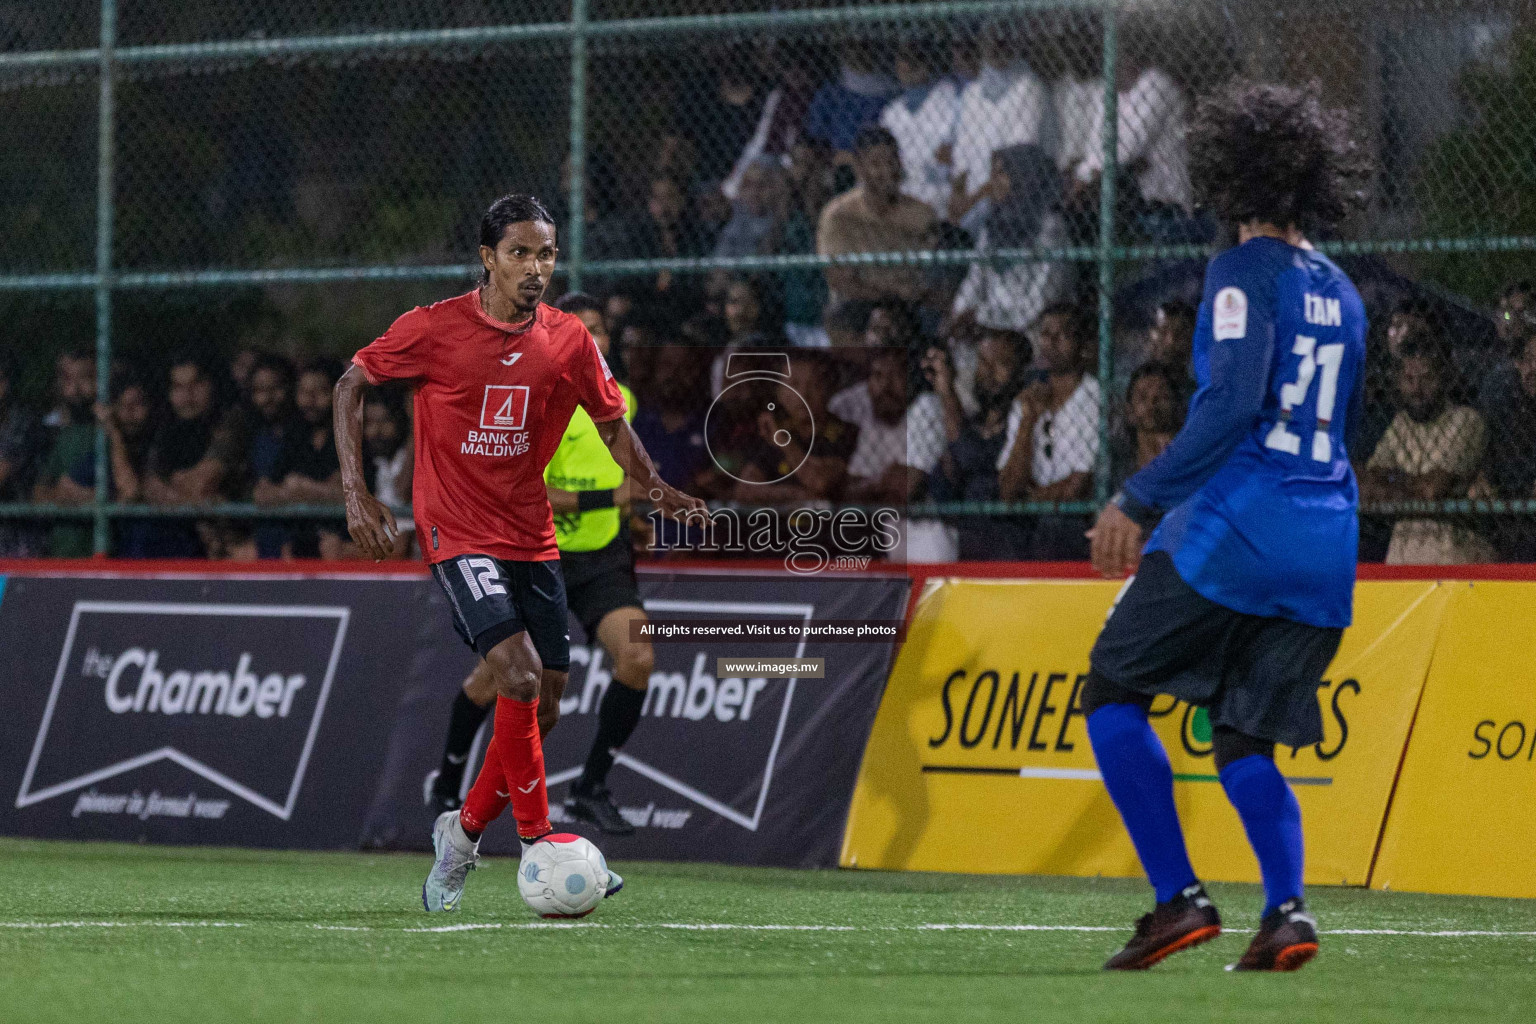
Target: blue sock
pixel 1272 818
pixel 1140 781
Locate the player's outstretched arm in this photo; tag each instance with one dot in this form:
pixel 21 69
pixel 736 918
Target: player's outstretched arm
pixel 1223 413
pixel 369 520
pixel 631 456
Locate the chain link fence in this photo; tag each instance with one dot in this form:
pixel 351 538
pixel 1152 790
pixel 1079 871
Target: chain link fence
pixel 996 189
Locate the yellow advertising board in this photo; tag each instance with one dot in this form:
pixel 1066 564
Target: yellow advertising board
pixel 979 759
pixel 1463 820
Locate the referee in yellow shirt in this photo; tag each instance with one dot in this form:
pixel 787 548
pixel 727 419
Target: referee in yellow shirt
pixel 587 493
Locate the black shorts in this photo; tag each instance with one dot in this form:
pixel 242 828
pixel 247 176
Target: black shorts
pixel 494 599
pixel 599 582
pixel 1253 674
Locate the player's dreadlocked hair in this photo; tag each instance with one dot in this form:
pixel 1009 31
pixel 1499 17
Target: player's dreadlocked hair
pixel 1274 153
pixel 503 213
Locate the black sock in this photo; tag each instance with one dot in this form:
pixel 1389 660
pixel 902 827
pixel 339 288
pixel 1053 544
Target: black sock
pixel 617 717
pixel 463 723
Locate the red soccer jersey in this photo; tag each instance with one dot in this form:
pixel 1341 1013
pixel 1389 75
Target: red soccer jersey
pixel 492 403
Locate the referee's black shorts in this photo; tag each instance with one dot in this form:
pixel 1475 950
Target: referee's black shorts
pixel 1254 674
pixel 492 599
pixel 601 581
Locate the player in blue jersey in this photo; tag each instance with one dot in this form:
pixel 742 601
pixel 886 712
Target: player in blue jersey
pixel 1247 581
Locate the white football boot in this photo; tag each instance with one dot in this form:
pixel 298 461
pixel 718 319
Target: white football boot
pixel 457 856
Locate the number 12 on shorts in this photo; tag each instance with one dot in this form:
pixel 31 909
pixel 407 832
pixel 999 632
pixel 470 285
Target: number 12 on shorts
pixel 1330 358
pixel 481 576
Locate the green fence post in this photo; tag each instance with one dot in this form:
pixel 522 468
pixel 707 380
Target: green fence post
pixel 575 233
pixel 104 118
pixel 1109 140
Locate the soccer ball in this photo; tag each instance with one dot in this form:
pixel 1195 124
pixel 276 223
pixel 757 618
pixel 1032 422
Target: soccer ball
pixel 562 875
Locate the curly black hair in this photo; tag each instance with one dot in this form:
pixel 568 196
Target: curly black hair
pixel 1274 153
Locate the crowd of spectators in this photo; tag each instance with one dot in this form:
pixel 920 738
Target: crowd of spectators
pixel 917 381
pixel 904 417
pixel 255 430
pixel 988 141
pixel 1451 421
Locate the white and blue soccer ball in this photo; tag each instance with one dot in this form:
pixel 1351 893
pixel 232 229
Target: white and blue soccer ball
pixel 563 875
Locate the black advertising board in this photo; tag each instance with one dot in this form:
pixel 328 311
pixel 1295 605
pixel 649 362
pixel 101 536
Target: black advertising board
pixel 305 713
pixel 743 770
pixel 229 711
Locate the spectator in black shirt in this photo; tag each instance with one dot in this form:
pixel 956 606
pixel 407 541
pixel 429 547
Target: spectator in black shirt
pixel 20 435
pixel 308 472
pixel 277 425
pixel 129 423
pixel 1171 342
pixel 389 457
pixel 725 112
pixel 1510 470
pixel 967 471
pixel 662 230
pixel 195 458
pixel 67 475
pixel 801 449
pixel 1154 412
pixel 241 368
pixel 1500 385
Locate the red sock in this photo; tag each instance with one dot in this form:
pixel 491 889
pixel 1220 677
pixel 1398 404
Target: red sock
pixel 522 761
pixel 485 801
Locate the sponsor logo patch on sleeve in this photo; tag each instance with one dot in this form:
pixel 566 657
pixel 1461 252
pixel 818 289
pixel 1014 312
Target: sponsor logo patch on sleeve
pixel 1230 316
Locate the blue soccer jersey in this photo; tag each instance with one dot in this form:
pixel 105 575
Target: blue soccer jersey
pixel 1260 498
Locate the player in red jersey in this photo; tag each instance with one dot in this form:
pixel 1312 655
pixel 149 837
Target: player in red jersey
pixel 497 375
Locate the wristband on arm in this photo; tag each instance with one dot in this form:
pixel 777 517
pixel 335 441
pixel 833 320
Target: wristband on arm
pixel 591 501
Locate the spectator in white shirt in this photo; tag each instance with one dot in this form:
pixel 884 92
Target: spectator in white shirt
pixel 1006 106
pixel 898 443
pixel 1079 103
pixel 1058 414
pixel 898 446
pixel 1152 154
pixel 1023 192
pixel 1079 106
pixel 1078 93
pixel 922 119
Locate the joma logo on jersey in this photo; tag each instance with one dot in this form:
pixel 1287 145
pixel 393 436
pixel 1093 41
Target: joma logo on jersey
pixel 505 407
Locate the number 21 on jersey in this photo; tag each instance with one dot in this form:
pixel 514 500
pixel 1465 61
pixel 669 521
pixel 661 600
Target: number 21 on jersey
pixel 1294 395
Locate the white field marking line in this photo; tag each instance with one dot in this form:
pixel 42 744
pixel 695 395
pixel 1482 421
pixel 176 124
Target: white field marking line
pixel 120 924
pixel 724 927
pixel 497 925
pixel 1428 934
pixel 691 927
pixel 1240 931
pixel 721 926
pixel 1014 928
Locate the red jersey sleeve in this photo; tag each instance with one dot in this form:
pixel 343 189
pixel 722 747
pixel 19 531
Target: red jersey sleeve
pixel 596 390
pixel 400 353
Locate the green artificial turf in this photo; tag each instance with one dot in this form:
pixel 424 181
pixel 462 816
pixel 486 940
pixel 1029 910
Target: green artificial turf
pixel 329 937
